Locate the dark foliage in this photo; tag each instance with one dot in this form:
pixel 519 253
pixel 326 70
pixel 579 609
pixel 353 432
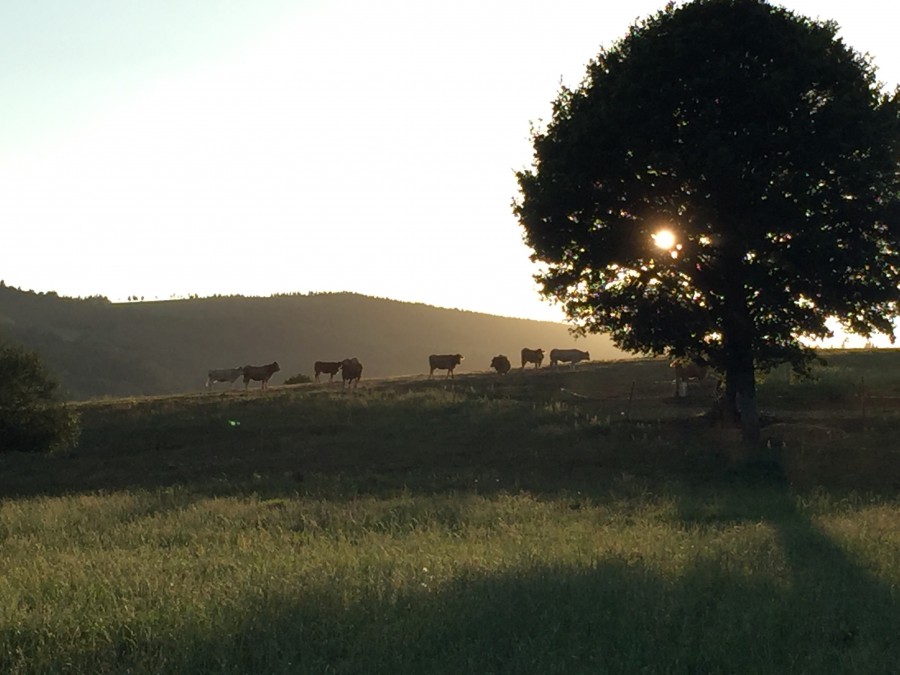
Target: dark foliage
pixel 766 146
pixel 299 378
pixel 32 419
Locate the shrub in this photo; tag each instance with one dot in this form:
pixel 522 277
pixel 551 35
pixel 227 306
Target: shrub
pixel 32 416
pixel 299 378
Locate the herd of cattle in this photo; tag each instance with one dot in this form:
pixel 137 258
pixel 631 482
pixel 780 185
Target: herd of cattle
pixel 501 363
pixel 351 369
pixel 260 374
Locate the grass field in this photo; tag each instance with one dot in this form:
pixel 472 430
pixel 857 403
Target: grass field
pixel 579 521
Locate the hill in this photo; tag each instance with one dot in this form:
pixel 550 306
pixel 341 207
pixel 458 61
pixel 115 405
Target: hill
pixel 99 348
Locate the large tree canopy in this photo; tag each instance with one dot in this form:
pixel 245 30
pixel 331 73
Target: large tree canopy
pixel 765 145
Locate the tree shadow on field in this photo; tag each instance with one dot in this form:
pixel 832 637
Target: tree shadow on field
pixel 840 618
pixel 619 615
pixel 807 608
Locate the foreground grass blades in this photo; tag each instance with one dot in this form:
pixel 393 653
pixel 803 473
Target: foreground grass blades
pixel 744 580
pixel 485 526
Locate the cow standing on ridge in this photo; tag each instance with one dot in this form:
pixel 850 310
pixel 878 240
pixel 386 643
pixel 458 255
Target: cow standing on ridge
pixel 571 356
pixel 260 374
pixel 444 362
pixel 351 369
pixel 223 375
pixel 330 367
pixel 535 356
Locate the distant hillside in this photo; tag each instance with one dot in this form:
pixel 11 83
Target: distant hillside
pixel 142 348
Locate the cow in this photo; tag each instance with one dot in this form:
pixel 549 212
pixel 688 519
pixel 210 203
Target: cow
pixel 223 375
pixel 535 356
pixel 351 369
pixel 571 356
pixel 260 374
pixel 330 367
pixel 444 362
pixel 687 369
pixel 501 364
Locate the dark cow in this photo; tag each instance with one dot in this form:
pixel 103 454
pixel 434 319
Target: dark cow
pixel 330 367
pixel 444 362
pixel 535 356
pixel 687 369
pixel 572 356
pixel 501 364
pixel 223 375
pixel 260 374
pixel 351 369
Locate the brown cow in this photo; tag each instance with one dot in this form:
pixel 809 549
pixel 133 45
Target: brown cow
pixel 330 367
pixel 260 374
pixel 687 369
pixel 444 362
pixel 535 356
pixel 351 369
pixel 501 364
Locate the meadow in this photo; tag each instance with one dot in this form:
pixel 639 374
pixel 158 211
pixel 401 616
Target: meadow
pixel 571 521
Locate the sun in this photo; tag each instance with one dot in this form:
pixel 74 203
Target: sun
pixel 664 239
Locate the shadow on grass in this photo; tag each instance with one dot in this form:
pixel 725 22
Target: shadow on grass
pixel 839 618
pixel 347 453
pixel 621 614
pixel 617 616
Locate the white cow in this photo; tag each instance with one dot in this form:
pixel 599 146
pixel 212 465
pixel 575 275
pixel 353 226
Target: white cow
pixel 223 375
pixel 572 356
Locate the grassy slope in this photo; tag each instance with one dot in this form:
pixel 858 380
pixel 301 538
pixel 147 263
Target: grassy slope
pixel 149 348
pixel 570 521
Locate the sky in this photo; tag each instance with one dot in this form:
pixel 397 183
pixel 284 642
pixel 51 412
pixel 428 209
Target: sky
pixel 170 148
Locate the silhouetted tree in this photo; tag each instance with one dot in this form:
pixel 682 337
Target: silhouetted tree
pixel 766 146
pixel 32 418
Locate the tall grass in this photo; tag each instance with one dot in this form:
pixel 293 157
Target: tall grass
pixel 490 525
pixel 749 580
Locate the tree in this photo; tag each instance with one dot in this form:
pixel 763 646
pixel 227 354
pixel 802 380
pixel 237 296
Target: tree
pixel 32 419
pixel 767 150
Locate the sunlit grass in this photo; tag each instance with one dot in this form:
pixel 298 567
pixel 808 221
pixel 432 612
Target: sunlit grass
pixel 170 581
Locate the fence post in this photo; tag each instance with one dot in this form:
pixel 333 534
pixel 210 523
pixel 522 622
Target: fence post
pixel 862 396
pixel 630 397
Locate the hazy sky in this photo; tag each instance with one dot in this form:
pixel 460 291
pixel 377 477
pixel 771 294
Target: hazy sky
pixel 175 147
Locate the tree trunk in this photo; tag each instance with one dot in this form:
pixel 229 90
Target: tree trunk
pixel 745 393
pixel 740 375
pixel 738 407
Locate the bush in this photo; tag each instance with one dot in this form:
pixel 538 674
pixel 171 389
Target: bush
pixel 299 378
pixel 32 417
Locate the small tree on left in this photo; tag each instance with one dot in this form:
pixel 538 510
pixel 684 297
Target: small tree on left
pixel 33 417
